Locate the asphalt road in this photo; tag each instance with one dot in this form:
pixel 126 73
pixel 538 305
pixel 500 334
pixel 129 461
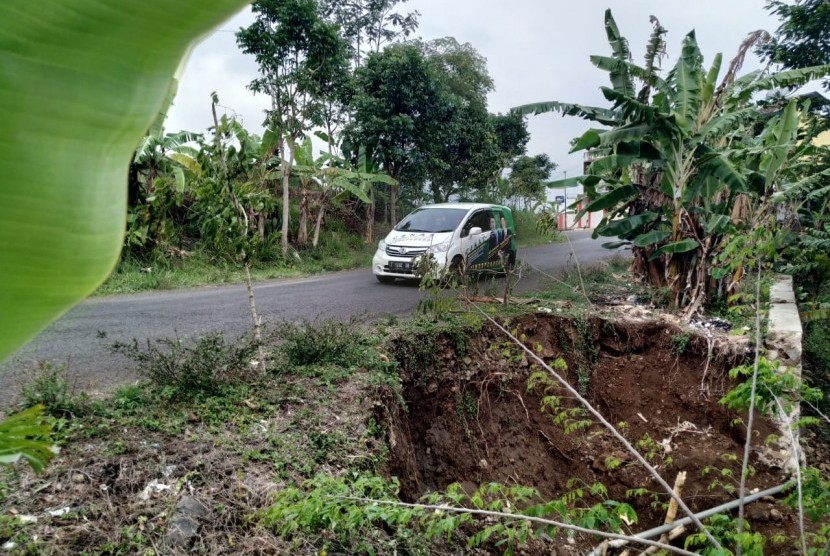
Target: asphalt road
pixel 80 339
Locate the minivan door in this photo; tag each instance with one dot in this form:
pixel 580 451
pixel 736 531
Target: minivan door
pixel 477 247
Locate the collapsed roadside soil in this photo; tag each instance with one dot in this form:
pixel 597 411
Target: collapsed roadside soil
pixel 471 418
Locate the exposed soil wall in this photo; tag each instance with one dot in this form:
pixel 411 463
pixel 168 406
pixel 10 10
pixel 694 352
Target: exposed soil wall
pixel 470 417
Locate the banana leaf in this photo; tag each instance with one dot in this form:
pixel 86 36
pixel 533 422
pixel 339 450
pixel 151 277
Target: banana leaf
pixel 83 80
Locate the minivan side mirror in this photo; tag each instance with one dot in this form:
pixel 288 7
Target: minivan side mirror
pixel 474 231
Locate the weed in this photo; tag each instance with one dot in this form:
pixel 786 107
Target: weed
pixel 325 343
pixel 773 384
pixel 725 529
pixel 725 477
pixel 467 407
pixel 185 371
pixel 583 379
pixel 679 342
pixel 16 539
pixel 653 451
pixel 50 388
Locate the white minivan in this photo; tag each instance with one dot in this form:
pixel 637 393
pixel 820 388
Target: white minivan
pixel 460 236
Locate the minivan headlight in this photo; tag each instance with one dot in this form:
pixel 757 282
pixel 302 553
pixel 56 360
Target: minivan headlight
pixel 382 245
pixel 440 247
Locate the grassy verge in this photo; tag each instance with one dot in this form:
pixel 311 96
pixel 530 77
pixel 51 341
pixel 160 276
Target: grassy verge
pixel 201 269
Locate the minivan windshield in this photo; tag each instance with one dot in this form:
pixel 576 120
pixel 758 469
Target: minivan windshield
pixel 432 220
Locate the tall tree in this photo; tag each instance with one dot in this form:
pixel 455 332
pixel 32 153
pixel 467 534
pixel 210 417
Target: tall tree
pixel 395 113
pixel 528 177
pixel 463 152
pixel 301 60
pixel 512 137
pixel 368 25
pixel 803 38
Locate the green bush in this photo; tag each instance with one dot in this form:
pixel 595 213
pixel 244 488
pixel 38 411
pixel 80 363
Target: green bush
pixel 184 371
pixel 50 388
pixel 325 343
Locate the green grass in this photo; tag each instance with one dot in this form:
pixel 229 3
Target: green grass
pixel 527 235
pixel 201 269
pixel 602 279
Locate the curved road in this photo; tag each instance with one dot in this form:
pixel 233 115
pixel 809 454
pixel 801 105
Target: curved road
pixel 80 338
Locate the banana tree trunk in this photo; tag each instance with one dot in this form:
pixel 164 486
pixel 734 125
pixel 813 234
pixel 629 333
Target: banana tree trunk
pixel 369 215
pixel 315 240
pixel 302 225
pixel 393 205
pixel 257 322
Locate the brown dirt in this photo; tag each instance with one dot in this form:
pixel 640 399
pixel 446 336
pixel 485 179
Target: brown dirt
pixel 471 419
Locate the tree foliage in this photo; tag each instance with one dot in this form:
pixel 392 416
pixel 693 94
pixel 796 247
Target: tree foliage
pixel 302 62
pixel 803 37
pixel 682 162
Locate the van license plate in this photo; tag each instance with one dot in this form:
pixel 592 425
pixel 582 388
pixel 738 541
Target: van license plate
pixel 400 266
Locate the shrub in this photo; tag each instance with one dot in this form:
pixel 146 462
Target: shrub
pixel 184 371
pixel 50 388
pixel 326 343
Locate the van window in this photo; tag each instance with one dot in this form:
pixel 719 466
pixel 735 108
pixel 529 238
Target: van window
pixel 432 220
pixel 482 219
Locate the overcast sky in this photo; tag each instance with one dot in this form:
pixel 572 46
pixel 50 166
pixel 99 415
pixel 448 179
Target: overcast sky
pixel 536 50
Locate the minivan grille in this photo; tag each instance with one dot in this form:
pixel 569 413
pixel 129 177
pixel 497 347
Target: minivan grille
pixel 396 251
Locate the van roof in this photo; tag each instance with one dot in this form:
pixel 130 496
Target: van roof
pixel 467 206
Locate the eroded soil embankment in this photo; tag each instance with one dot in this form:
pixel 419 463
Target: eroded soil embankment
pixel 470 417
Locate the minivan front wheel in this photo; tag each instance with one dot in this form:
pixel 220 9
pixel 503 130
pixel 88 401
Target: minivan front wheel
pixel 456 270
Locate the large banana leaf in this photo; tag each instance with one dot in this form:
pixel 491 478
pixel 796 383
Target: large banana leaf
pixel 688 83
pixel 603 116
pixel 80 82
pixel 620 76
pixel 25 436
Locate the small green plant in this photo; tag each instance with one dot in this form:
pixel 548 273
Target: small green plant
pixel 653 451
pixel 725 478
pixel 442 286
pixel 467 406
pixel 324 343
pixel 773 384
pixel 328 504
pixel 50 388
pixel 183 370
pixel 571 419
pixel 679 343
pixel 725 529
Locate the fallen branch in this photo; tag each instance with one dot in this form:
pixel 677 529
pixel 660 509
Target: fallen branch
pixel 728 506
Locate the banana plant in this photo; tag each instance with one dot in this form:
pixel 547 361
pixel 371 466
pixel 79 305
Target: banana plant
pixel 82 81
pixel 660 165
pixel 335 179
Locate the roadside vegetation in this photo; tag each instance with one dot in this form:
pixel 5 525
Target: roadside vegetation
pixel 360 439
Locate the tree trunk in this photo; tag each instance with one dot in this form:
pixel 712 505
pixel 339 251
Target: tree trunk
pixel 315 240
pixel 393 205
pixel 254 317
pixel 369 214
pixel 286 213
pixel 302 225
pixel 261 226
